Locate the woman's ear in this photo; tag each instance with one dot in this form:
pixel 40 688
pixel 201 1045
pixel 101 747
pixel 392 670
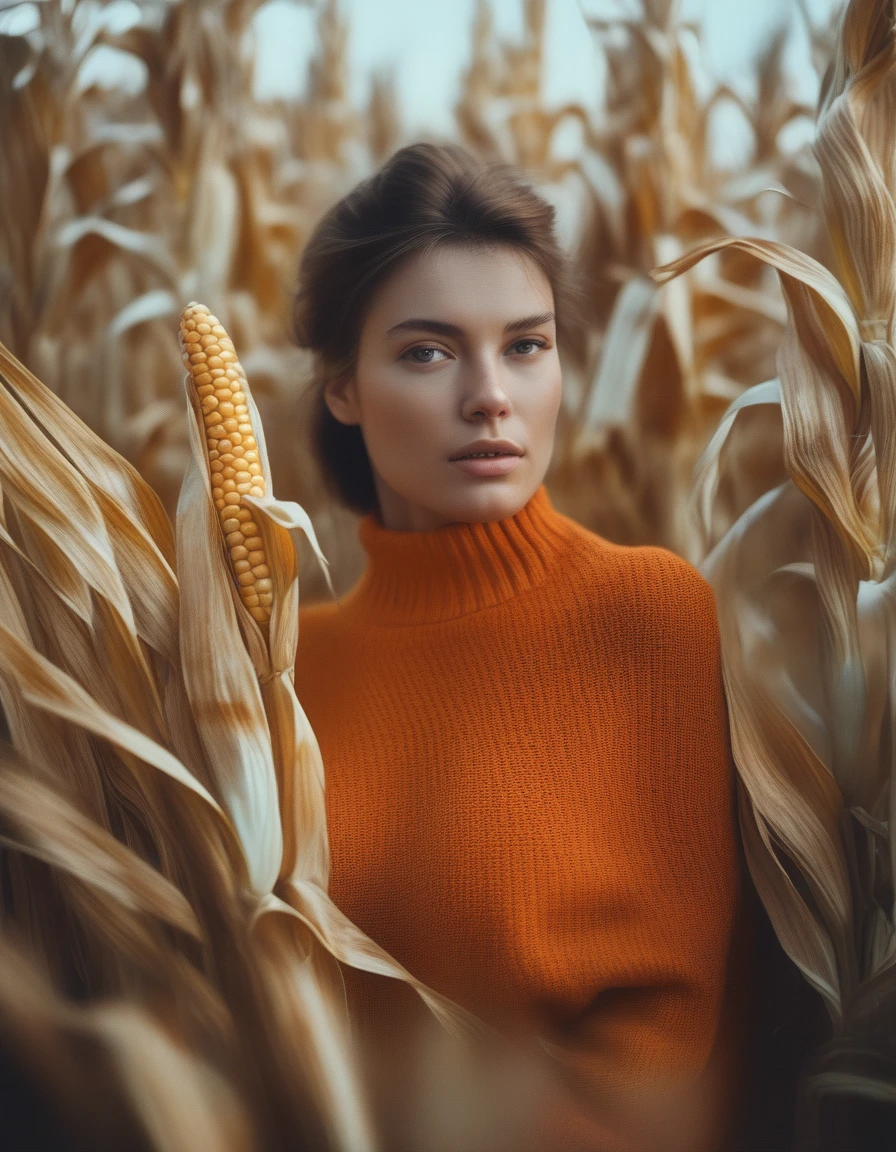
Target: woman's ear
pixel 341 397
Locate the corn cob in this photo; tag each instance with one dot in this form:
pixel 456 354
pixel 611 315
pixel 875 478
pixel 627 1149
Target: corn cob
pixel 231 450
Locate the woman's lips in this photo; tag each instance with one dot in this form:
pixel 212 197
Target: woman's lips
pixel 488 465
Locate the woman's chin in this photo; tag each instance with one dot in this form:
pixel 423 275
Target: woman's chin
pixel 480 499
pixel 453 495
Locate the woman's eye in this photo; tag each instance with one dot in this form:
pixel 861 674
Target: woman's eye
pixel 534 345
pixel 427 354
pixel 426 357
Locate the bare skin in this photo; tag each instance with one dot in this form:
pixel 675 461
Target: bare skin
pixel 422 396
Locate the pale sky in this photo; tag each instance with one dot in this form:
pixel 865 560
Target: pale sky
pixel 428 42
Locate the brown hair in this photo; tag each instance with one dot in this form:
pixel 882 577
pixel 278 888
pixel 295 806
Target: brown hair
pixel 424 195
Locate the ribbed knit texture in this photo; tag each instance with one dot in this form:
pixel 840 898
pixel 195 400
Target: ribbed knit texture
pixel 528 780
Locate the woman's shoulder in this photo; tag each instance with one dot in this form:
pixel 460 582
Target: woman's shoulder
pixel 648 585
pixel 643 569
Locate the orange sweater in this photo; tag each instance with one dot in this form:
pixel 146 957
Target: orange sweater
pixel 529 784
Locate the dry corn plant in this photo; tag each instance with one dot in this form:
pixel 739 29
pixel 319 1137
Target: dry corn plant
pixel 164 837
pixel 191 186
pixel 269 170
pixel 805 580
pixel 501 109
pixel 666 365
pixel 101 1075
pixel 188 186
pixel 502 114
pixel 83 275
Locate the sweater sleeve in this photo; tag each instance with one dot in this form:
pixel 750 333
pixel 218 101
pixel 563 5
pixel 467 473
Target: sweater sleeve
pixel 654 958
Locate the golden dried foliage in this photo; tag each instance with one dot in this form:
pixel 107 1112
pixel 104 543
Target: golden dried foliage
pixel 804 578
pixel 163 823
pixel 666 365
pixel 119 206
pixel 192 187
pixel 138 671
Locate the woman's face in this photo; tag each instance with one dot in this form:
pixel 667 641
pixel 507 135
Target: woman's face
pixel 458 345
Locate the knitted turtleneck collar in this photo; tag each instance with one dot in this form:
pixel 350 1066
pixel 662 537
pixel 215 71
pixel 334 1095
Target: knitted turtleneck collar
pixel 441 574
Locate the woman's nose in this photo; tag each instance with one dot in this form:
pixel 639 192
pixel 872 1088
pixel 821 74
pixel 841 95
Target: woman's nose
pixel 486 394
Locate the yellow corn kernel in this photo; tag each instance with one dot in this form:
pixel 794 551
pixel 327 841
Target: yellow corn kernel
pixel 219 390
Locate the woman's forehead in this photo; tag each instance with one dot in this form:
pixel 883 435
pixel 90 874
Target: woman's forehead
pixel 467 285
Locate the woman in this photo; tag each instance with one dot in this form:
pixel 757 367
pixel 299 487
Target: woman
pixel 523 725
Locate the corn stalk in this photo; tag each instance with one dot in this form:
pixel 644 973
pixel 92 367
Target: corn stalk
pixel 665 366
pixel 118 206
pixel 805 579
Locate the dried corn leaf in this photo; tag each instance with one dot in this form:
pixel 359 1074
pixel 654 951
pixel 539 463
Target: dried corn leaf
pixel 44 686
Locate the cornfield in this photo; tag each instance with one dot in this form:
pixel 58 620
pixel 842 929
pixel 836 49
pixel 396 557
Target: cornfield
pixel 167 928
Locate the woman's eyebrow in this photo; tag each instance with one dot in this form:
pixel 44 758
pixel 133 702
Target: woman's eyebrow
pixel 441 328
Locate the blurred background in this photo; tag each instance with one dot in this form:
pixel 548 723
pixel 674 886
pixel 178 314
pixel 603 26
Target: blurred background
pixel 158 151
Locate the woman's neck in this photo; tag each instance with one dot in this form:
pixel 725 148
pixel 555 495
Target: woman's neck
pixel 432 576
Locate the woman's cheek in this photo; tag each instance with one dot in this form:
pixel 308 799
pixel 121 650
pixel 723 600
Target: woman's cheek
pixel 540 413
pixel 402 427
